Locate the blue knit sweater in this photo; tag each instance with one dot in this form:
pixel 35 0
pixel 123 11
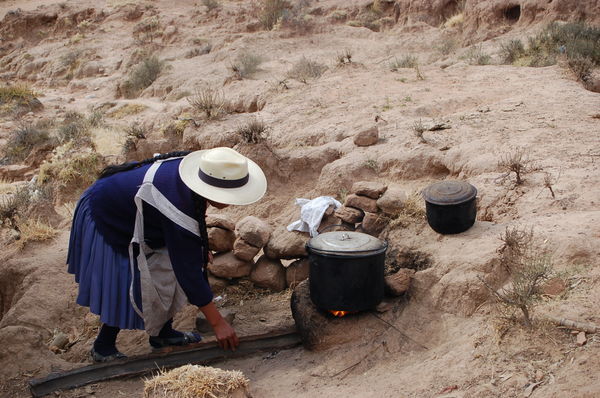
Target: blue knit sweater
pixel 113 209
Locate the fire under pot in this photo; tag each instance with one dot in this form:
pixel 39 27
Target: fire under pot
pixel 346 271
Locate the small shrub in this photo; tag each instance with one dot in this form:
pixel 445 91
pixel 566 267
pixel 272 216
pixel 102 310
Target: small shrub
pixel 344 58
pixel 23 140
pixel 306 69
pixel 406 62
pixel 211 4
pixel 272 11
pixel 529 266
pixel 515 162
pixel 147 30
pixel 511 51
pixel 210 102
pixel 582 67
pixel 371 164
pixel 418 129
pixel 73 173
pixel 245 65
pixel 134 133
pixel 142 76
pixel 254 132
pixel 476 56
pixel 446 46
pixel 74 128
pixel 12 205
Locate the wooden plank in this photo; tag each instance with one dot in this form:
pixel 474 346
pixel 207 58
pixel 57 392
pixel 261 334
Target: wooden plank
pixel 201 353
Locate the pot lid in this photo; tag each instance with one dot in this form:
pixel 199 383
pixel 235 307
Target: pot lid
pixel 449 192
pixel 345 241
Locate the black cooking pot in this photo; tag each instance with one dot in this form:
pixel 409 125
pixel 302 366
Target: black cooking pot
pixel 450 206
pixel 346 270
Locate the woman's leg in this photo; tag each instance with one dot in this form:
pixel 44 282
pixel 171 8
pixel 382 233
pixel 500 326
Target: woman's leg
pixel 169 336
pixel 106 342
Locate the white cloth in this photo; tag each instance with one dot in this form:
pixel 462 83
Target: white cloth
pixel 162 296
pixel 311 213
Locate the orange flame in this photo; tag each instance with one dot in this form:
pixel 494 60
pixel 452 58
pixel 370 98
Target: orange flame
pixel 339 314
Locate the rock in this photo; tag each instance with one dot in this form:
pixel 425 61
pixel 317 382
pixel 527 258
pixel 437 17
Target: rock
pixel 350 215
pixel 393 200
pixel 244 250
pixel 269 273
pixel 14 171
pixel 217 285
pixel 374 223
pixel 296 272
pixel 398 283
pixel 328 224
pixel 226 265
pixel 203 326
pixel 361 202
pixel 89 69
pixel 254 231
pixel 367 137
pixel 220 220
pixel 220 240
pixel 554 287
pixel 581 339
pixel 60 341
pixel 286 244
pixel 371 189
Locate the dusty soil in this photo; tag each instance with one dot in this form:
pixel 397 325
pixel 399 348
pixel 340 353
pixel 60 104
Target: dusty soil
pixel 445 338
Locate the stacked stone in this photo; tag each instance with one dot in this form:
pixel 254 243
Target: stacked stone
pixel 288 245
pixel 360 208
pixel 235 247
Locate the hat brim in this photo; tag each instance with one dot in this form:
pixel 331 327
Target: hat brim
pixel 252 191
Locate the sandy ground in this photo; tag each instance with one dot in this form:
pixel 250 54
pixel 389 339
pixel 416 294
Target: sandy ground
pixel 446 339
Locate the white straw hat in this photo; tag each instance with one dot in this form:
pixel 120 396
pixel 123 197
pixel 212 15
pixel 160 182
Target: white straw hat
pixel 224 176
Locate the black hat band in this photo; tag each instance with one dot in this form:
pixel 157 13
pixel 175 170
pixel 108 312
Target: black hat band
pixel 221 183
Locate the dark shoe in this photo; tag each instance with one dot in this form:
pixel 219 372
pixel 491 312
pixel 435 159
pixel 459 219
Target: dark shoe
pixel 187 338
pixel 97 357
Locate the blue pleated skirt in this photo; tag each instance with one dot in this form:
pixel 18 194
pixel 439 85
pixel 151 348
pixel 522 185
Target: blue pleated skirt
pixel 103 274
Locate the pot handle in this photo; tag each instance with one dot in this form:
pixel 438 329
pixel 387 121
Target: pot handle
pixel 334 225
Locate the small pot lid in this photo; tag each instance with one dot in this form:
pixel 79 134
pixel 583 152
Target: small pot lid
pixel 346 242
pixel 449 192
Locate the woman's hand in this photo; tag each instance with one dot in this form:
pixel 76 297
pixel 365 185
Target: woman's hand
pixel 226 336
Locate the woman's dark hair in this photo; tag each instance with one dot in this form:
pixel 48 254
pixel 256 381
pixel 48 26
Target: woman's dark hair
pixel 117 168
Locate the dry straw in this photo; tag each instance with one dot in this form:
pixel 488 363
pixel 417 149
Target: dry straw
pixel 194 381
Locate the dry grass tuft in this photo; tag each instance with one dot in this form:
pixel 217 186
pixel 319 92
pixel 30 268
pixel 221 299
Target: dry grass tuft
pixel 127 110
pixel 305 70
pixel 412 212
pixel 33 231
pixel 476 56
pixel 23 140
pixel 209 101
pixel 245 65
pixel 272 11
pixel 194 381
pixel 408 61
pixel 141 77
pixel 254 132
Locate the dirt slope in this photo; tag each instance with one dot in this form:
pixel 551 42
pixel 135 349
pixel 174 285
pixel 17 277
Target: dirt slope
pixel 445 334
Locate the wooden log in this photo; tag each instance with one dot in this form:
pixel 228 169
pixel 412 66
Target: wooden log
pixel 201 353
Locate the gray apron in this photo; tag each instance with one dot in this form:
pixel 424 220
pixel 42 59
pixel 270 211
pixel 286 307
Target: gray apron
pixel 162 296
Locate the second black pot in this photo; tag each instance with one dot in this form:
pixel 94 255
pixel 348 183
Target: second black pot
pixel 450 206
